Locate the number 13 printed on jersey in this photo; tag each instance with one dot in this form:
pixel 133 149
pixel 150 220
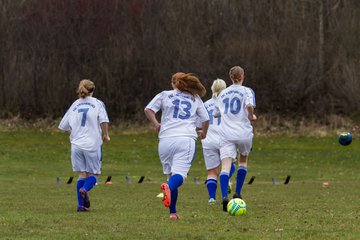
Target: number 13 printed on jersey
pixel 181 107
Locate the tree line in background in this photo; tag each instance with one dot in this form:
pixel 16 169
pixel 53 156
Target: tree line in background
pixel 300 57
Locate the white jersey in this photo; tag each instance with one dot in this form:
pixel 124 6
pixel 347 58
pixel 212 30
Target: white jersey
pixel 180 111
pixel 212 140
pixel 83 119
pixel 231 103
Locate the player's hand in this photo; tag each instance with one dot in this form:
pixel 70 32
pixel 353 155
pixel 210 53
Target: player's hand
pixel 106 138
pixel 252 118
pixel 157 127
pixel 199 132
pixel 202 135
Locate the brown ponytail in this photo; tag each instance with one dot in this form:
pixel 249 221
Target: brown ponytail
pixel 189 83
pixel 236 74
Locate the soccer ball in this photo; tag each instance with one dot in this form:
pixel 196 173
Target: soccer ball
pixel 345 138
pixel 236 207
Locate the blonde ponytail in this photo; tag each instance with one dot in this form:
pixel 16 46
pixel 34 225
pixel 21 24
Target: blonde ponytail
pixel 217 86
pixel 86 87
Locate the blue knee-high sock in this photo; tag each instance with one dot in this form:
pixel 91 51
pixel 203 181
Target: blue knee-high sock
pixel 90 183
pixel 211 184
pixel 80 184
pixel 240 178
pixel 174 196
pixel 224 184
pixel 232 170
pixel 174 183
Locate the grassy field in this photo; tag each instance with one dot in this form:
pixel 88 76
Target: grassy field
pixel 35 206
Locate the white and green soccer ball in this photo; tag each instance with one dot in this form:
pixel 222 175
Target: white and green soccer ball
pixel 236 207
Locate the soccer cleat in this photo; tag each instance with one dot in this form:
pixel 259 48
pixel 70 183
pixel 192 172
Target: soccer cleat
pixel 167 194
pixel 236 195
pixel 212 201
pixel 82 209
pixel 225 203
pixel 174 216
pixel 85 197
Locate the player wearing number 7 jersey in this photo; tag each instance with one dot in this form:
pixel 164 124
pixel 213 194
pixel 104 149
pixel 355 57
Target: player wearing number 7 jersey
pixel 180 107
pixel 87 122
pixel 236 105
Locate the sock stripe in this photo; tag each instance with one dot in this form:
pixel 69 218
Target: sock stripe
pixel 211 181
pixel 224 173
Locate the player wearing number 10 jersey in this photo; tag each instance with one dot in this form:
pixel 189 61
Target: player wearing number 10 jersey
pixel 87 122
pixel 181 107
pixel 236 105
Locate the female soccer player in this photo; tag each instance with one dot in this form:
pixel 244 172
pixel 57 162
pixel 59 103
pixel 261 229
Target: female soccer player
pixel 236 105
pixel 211 144
pixel 177 131
pixel 87 122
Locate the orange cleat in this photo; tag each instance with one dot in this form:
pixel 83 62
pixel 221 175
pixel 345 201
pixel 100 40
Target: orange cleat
pixel 167 194
pixel 174 216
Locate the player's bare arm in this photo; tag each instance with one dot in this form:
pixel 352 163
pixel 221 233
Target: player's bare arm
pixel 150 114
pixel 104 127
pixel 252 117
pixel 205 126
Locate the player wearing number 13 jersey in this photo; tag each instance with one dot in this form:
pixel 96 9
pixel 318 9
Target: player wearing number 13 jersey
pixel 180 107
pixel 87 122
pixel 236 105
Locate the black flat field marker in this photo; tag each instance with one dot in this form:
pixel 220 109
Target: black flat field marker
pixel 108 179
pixel 251 180
pixel 70 180
pixel 287 180
pixel 141 179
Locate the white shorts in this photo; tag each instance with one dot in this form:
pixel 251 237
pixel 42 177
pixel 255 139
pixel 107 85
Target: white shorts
pixel 212 158
pixel 176 154
pixel 86 161
pixel 229 148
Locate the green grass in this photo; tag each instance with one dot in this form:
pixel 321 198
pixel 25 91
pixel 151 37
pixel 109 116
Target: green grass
pixel 34 206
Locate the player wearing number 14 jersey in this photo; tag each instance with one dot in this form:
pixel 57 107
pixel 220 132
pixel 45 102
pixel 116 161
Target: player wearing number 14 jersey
pixel 87 122
pixel 180 107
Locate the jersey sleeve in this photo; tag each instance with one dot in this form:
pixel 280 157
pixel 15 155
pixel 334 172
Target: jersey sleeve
pixel 64 124
pixel 202 113
pixel 250 97
pixel 156 103
pixel 198 123
pixel 103 116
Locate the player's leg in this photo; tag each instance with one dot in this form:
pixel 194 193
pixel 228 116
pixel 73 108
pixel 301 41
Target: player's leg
pixel 212 162
pixel 93 169
pixel 232 171
pixel 166 153
pixel 175 181
pixel 224 180
pixel 90 182
pixel 183 157
pixel 78 165
pixel 241 175
pixel 244 147
pixel 211 184
pixel 227 151
pixel 79 184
